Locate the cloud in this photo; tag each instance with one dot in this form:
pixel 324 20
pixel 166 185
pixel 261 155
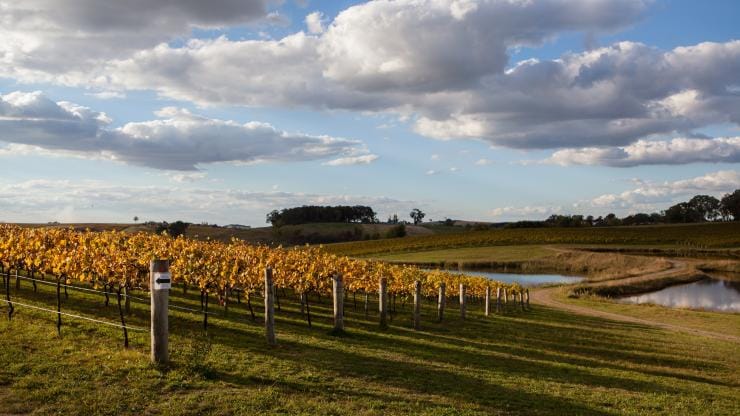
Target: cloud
pixel 442 65
pixel 45 200
pixel 432 172
pixel 179 140
pixel 59 40
pixel 646 196
pixel 483 162
pixel 181 177
pixel 653 196
pixel 315 23
pixel 677 151
pixel 525 212
pixel 352 160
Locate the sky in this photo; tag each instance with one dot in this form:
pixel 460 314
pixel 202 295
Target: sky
pixel 497 110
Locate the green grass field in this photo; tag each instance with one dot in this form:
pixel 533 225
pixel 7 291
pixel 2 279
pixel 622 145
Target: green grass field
pixel 470 254
pixel 687 236
pixel 539 362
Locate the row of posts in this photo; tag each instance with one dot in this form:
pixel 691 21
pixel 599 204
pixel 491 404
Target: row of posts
pixel 160 302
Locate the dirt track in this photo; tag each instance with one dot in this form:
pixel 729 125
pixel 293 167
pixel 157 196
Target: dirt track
pixel 544 297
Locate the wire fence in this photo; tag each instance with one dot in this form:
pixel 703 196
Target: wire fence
pixel 128 327
pixel 143 301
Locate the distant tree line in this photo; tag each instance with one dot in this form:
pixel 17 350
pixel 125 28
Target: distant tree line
pixel 701 208
pixel 313 214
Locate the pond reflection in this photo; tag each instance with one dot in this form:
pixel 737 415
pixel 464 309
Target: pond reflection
pixel 710 294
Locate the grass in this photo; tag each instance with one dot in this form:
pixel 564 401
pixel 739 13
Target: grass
pixel 726 323
pixel 544 361
pixel 688 236
pixel 470 254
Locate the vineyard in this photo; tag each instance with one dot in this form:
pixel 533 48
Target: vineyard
pixel 710 235
pixel 119 262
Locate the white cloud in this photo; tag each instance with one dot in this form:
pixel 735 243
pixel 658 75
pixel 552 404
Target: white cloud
pixel 315 23
pixel 352 160
pixel 440 64
pixel 454 169
pixel 483 162
pixel 179 140
pixel 432 172
pixel 525 212
pixel 434 157
pixel 654 196
pixel 645 152
pixel 646 196
pixel 62 200
pixel 184 177
pixel 61 40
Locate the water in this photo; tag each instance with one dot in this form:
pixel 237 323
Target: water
pixel 523 279
pixel 710 294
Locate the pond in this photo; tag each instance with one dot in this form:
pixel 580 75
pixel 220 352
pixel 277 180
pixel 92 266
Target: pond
pixel 716 294
pixel 523 279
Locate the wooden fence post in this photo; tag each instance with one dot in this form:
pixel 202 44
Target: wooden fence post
pixel 521 299
pixel 462 301
pixel 441 301
pixel 506 297
pixel 498 299
pixel 488 300
pixel 269 307
pixel 417 305
pixel 527 292
pixel 383 302
pixel 338 294
pixel 159 288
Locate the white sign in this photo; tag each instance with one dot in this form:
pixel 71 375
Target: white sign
pixel 162 280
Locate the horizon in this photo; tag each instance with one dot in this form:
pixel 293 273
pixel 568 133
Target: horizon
pixel 488 111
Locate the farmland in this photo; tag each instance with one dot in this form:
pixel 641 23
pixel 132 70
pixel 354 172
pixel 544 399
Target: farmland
pixel 544 361
pixel 685 237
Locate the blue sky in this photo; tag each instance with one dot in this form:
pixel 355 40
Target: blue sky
pixel 579 107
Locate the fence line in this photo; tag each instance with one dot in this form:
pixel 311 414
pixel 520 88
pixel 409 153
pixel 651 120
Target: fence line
pixel 134 328
pixel 123 295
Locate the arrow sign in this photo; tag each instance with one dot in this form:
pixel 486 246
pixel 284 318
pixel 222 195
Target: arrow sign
pixel 162 280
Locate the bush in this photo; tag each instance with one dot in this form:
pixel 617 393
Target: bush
pixel 396 231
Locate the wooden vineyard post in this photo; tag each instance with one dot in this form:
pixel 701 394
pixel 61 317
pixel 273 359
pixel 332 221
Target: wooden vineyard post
pixel 441 302
pixel 337 293
pixel 498 299
pixel 269 308
pixel 159 285
pixel 521 299
pixel 367 303
pixel 417 305
pixel 527 292
pixel 462 301
pixel 506 297
pixel 488 300
pixel 383 302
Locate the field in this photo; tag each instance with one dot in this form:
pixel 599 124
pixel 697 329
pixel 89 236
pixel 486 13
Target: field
pixel 543 361
pixel 469 254
pixel 286 235
pixel 687 237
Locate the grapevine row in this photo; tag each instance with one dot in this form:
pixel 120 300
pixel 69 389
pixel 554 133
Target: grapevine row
pixel 115 258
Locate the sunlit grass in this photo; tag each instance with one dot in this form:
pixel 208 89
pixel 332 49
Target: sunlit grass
pixel 543 361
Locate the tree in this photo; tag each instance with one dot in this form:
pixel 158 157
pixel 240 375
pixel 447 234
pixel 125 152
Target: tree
pixel 417 215
pixel 730 206
pixel 705 207
pixel 136 219
pixel 683 212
